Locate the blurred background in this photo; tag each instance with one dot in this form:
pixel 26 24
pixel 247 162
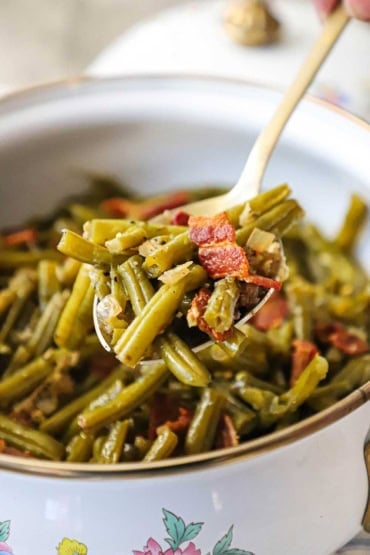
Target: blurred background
pixel 49 39
pixel 43 40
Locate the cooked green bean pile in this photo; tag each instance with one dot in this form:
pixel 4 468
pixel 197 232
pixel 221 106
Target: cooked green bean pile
pixel 62 397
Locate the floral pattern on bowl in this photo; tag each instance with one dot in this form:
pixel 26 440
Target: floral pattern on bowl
pixel 180 536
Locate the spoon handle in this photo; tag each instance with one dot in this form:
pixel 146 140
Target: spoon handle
pixel 253 172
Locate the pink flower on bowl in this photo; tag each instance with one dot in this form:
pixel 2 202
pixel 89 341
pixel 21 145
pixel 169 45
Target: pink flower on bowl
pixel 153 548
pixel 5 549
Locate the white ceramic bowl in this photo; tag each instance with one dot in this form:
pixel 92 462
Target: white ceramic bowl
pixel 301 491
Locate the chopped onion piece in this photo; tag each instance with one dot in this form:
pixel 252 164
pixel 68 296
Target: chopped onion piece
pixel 175 274
pixel 260 240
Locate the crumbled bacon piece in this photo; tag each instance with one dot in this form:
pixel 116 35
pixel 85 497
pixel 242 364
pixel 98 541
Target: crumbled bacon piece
pixel 196 312
pixel 163 408
pixel 119 207
pixel 144 210
pixel 272 314
pixel 180 218
pixel 303 353
pixel 267 283
pixel 152 208
pixel 7 450
pixel 337 335
pixel 227 435
pixel 20 237
pixel 219 253
pixel 224 260
pixel 181 424
pixel 210 230
pixel 349 343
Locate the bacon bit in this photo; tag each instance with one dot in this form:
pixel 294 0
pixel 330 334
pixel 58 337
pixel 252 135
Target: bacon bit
pixel 12 450
pixel 349 343
pixel 144 210
pixel 28 235
pixel 226 433
pixel 218 252
pixel 116 206
pixel 324 331
pixel 182 422
pixel 198 307
pixel 210 230
pixel 162 409
pixel 338 336
pixel 303 353
pixel 262 281
pixel 224 260
pixel 272 314
pixel 195 316
pixel 180 218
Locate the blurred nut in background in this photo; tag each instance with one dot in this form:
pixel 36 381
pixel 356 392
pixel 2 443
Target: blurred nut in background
pixel 250 23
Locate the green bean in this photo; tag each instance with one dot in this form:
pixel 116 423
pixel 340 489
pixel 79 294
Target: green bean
pixel 138 287
pixel 178 356
pixel 127 400
pixel 243 349
pixel 326 395
pixel 101 282
pixel 76 318
pixel 281 227
pixel 59 420
pixel 21 383
pixel 327 263
pixel 221 305
pixel 67 271
pixel 7 297
pixel 302 305
pixel 266 200
pixel 97 448
pixel 79 449
pixel 356 372
pixel 100 231
pixel 306 383
pixel 280 340
pixel 133 236
pixel 163 446
pixel 48 283
pixel 43 334
pixel 202 430
pixel 13 259
pixel 352 224
pixel 286 211
pixel 142 445
pixel 181 360
pixel 117 288
pixel 82 213
pixel 244 419
pixel 112 448
pixel 154 318
pixel 24 283
pixel 71 244
pixel 177 250
pixel 245 378
pixel 30 441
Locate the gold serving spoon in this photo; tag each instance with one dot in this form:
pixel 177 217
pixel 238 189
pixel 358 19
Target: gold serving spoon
pixel 251 177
